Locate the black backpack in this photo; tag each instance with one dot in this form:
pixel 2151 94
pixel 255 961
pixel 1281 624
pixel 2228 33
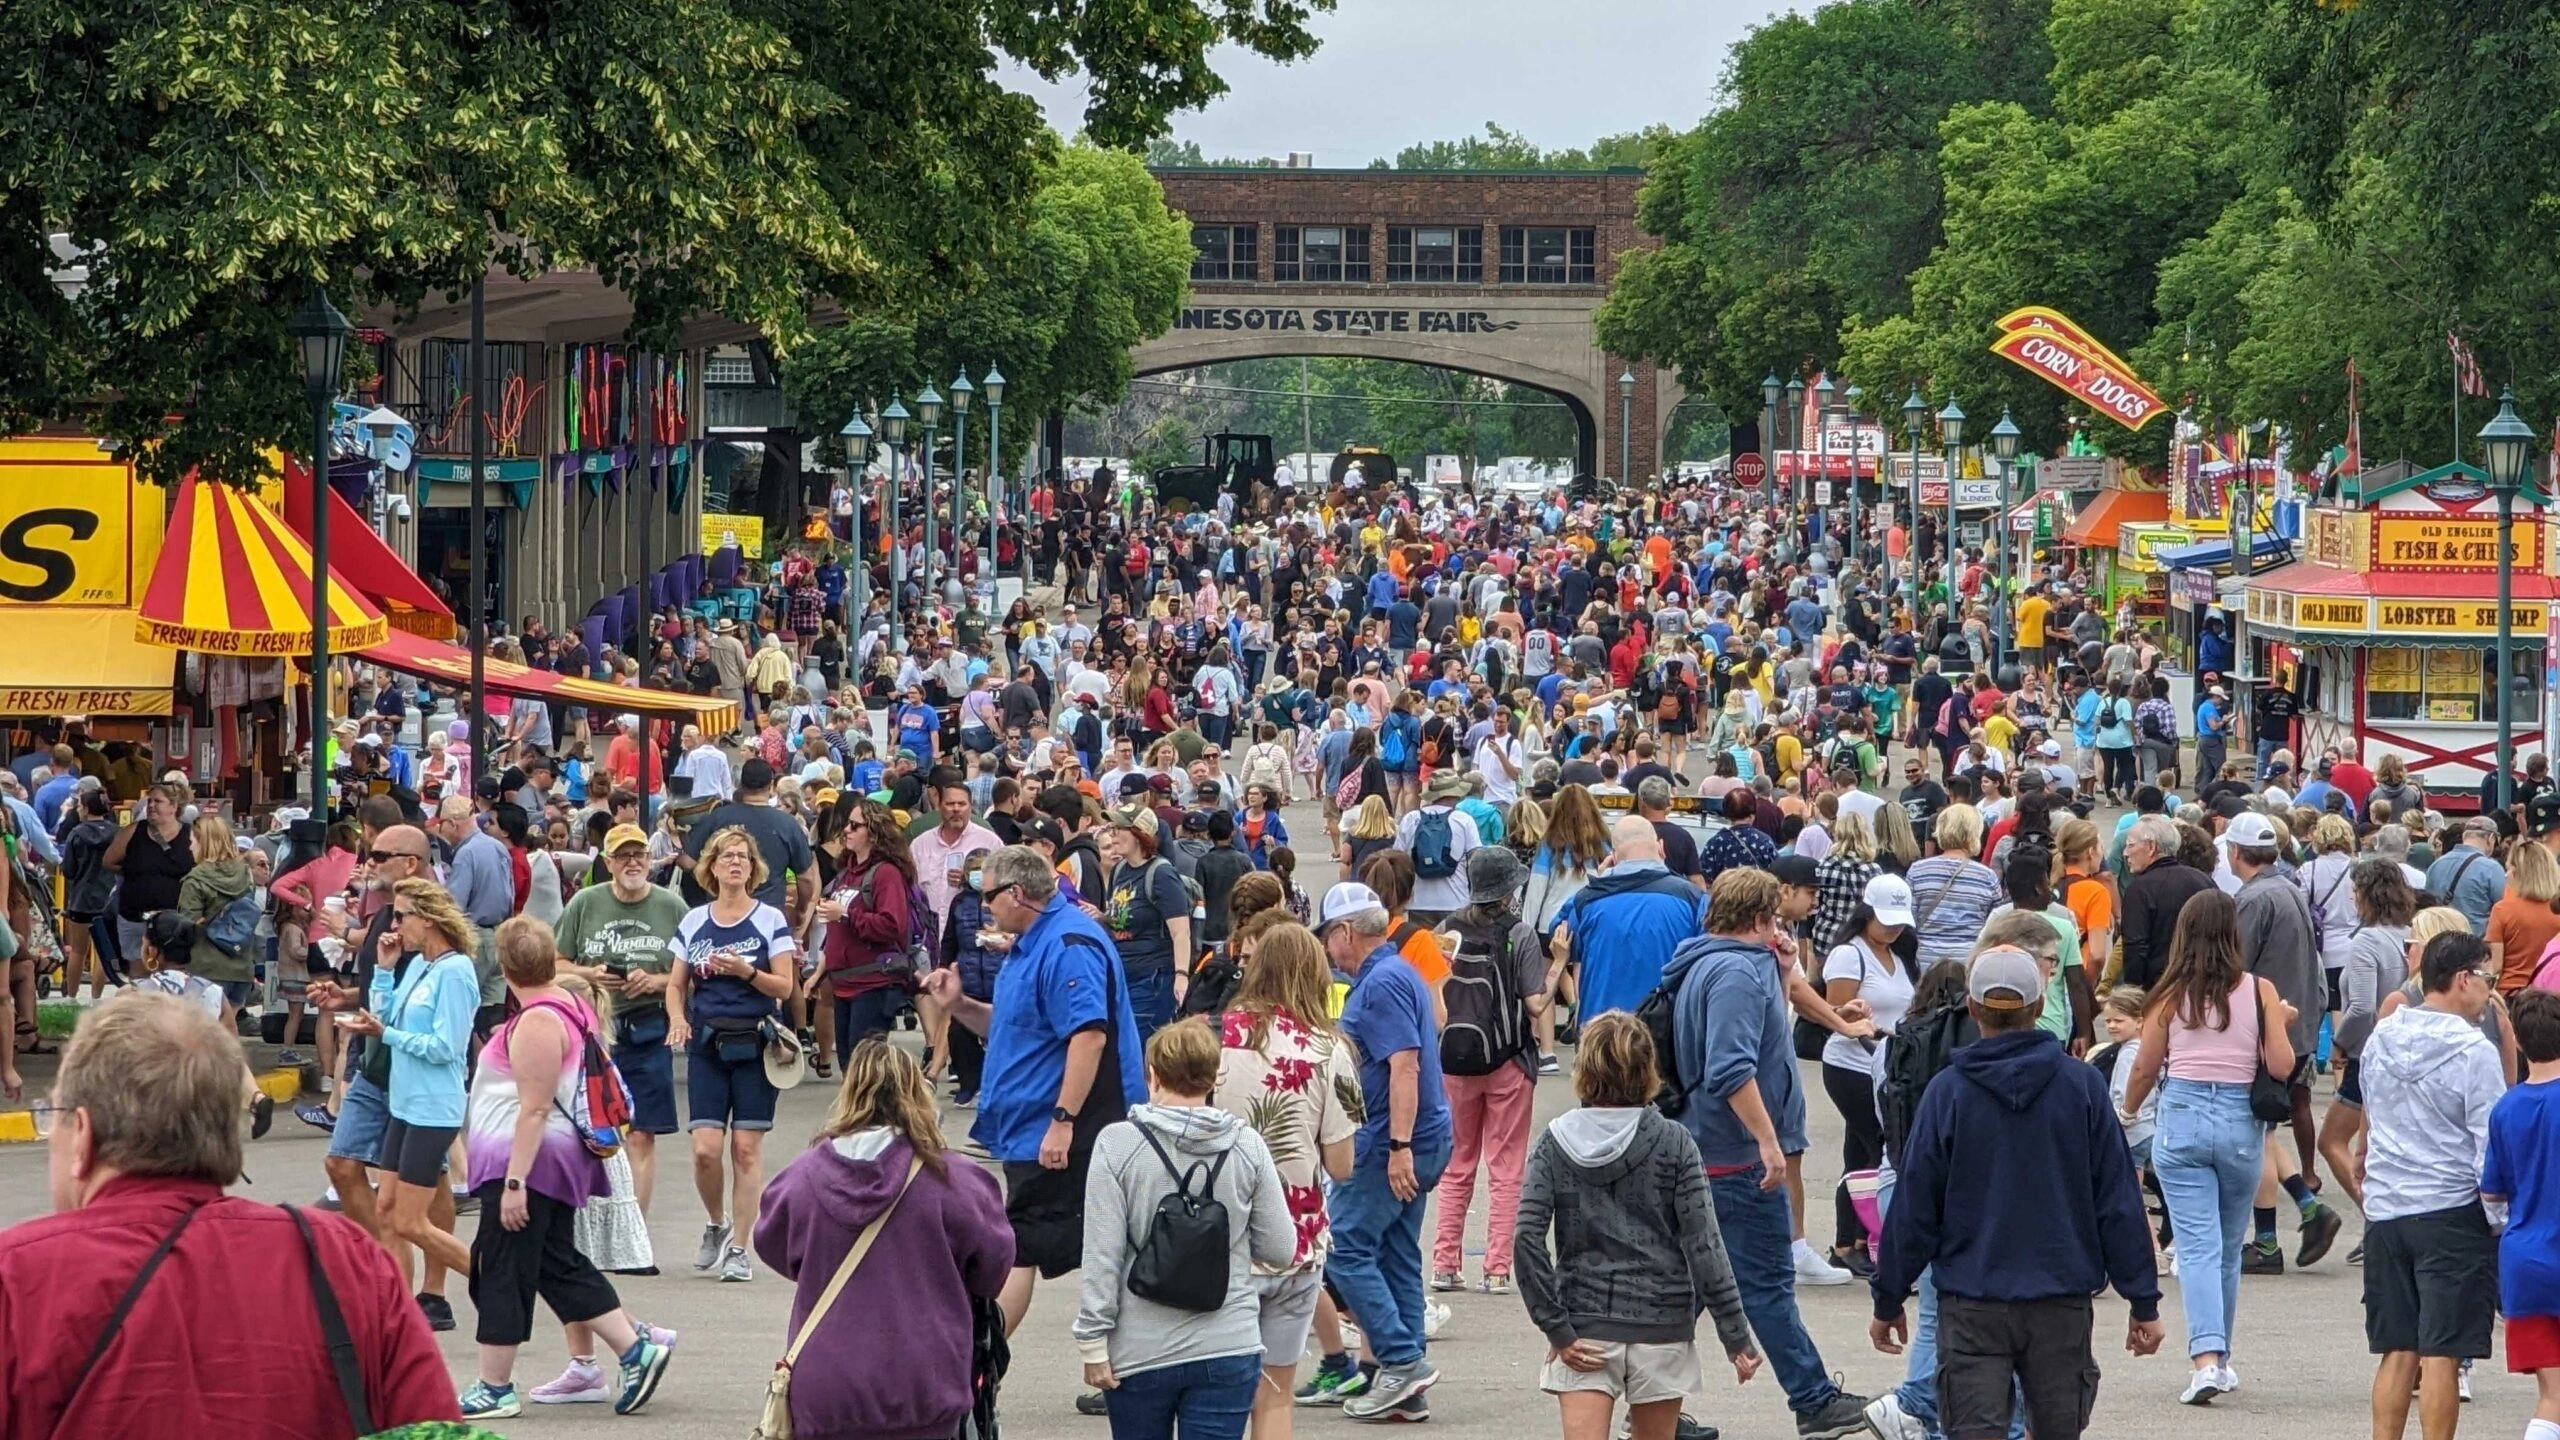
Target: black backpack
pixel 1487 1026
pixel 1655 1015
pixel 1917 1050
pixel 1182 1262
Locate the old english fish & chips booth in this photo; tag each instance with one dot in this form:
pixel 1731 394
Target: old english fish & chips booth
pixel 2388 627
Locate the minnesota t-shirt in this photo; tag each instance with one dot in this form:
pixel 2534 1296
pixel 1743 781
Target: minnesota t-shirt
pixel 762 939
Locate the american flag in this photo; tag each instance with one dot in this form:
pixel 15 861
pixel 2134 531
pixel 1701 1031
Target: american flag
pixel 2466 368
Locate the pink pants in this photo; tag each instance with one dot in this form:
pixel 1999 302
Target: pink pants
pixel 1489 1121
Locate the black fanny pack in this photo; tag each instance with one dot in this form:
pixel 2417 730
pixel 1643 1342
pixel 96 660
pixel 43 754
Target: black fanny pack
pixel 640 1025
pixel 733 1041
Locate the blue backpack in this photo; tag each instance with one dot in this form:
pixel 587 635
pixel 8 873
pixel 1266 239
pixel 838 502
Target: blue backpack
pixel 1395 748
pixel 1432 857
pixel 234 925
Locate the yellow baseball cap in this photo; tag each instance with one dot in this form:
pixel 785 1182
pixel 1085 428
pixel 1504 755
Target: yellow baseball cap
pixel 621 835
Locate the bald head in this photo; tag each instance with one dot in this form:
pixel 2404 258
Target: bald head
pixel 406 840
pixel 1633 839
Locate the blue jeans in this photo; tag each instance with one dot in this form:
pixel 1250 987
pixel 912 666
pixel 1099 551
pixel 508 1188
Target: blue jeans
pixel 1151 1000
pixel 1377 1251
pixel 1758 1236
pixel 2266 752
pixel 1211 1399
pixel 2206 1154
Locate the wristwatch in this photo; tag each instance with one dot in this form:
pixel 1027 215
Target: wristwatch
pixel 1063 1115
pixel 514 1184
pixel 1395 1144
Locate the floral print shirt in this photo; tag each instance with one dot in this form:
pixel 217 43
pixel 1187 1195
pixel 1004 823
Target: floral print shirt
pixel 1300 1091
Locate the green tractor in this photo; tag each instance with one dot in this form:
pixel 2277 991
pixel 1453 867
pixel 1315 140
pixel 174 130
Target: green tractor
pixel 1377 468
pixel 1229 462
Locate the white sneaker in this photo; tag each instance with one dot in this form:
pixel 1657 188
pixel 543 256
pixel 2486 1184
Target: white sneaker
pixel 1813 1269
pixel 734 1267
pixel 1890 1421
pixel 2203 1384
pixel 1435 1317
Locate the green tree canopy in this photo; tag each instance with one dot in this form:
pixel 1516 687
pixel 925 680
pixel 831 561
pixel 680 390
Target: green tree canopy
pixel 1059 305
pixel 746 158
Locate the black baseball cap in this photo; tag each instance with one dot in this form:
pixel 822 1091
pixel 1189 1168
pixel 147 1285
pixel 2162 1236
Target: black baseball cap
pixel 2542 813
pixel 1796 870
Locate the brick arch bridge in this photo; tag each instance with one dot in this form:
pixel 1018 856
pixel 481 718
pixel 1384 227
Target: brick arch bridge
pixel 1493 273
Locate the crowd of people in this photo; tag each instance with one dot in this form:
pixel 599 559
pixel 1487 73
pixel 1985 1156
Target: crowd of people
pixel 1609 789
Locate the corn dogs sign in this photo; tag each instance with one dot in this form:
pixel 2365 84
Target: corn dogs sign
pixel 2051 345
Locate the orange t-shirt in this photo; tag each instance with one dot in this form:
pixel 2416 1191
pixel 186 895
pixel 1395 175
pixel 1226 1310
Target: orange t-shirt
pixel 1658 551
pixel 2520 928
pixel 2093 904
pixel 1421 950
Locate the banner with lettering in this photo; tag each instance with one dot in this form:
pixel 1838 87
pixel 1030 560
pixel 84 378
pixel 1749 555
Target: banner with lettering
pixel 2067 357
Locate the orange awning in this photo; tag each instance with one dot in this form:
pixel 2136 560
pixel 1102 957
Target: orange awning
pixel 450 665
pixel 2096 525
pixel 233 579
pixel 358 558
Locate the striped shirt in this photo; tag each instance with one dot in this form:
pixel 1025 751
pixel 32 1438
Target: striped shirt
pixel 1951 897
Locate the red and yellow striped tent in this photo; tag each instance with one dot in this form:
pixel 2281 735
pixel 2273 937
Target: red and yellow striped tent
pixel 233 579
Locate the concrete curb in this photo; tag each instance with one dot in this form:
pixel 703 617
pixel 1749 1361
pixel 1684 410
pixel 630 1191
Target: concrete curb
pixel 283 1085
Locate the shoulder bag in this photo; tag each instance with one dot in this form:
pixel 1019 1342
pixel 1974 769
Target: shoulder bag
pixel 2270 1096
pixel 775 1424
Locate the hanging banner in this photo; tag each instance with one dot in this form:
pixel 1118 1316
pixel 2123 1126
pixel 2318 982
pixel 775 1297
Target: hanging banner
pixel 2037 317
pixel 746 532
pixel 2092 376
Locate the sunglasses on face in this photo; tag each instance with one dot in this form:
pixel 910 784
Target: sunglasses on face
pixel 404 915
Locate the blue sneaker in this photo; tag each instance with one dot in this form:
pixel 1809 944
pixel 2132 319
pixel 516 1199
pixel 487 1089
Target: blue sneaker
pixel 642 1367
pixel 484 1401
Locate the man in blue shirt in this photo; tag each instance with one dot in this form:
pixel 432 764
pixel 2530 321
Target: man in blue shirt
pixel 1063 1061
pixel 1397 1156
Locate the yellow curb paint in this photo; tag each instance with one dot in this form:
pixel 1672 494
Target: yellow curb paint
pixel 17 1127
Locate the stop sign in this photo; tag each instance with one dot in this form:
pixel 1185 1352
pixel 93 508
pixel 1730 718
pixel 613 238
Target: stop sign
pixel 1750 469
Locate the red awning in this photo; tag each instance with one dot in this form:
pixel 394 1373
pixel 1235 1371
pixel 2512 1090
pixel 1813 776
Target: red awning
pixel 451 665
pixel 358 557
pixel 2305 578
pixel 2096 525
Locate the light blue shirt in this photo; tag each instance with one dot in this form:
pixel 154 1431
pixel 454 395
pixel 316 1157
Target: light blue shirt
pixel 482 878
pixel 428 1026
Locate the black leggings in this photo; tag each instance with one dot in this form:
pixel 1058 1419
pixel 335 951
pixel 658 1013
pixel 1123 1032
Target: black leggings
pixel 2117 766
pixel 1853 1094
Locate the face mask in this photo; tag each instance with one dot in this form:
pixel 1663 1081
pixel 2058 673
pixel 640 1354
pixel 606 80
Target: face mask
pixel 976 880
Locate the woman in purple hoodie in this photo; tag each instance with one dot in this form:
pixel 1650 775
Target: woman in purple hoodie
pixel 947 1241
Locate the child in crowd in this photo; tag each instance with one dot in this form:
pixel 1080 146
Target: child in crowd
pixel 2120 1014
pixel 2523 1155
pixel 1619 1317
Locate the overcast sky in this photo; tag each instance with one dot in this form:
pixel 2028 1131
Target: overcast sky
pixel 1391 73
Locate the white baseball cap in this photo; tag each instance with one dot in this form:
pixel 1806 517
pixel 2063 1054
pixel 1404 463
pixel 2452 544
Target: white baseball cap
pixel 1890 897
pixel 1347 898
pixel 2250 828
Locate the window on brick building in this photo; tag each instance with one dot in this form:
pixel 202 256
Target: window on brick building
pixel 1549 255
pixel 1223 252
pixel 1435 254
pixel 1320 254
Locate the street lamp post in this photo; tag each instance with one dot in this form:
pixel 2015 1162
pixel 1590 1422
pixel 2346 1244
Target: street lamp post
pixel 1915 415
pixel 2505 442
pixel 1626 422
pixel 1822 441
pixel 1951 436
pixel 996 488
pixel 2004 446
pixel 961 393
pixel 1794 425
pixel 1770 393
pixel 929 415
pixel 893 430
pixel 1854 395
pixel 857 457
pixel 322 334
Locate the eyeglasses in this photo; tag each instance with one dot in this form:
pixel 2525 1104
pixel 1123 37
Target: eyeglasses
pixel 630 857
pixel 46 1115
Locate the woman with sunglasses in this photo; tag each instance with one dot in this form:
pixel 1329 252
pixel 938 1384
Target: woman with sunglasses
pixel 425 1024
pixel 870 919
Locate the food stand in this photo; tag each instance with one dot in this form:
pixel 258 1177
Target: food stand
pixel 2097 533
pixel 2388 626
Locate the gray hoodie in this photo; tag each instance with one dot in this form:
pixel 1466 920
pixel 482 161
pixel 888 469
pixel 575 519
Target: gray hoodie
pixel 1617 1237
pixel 2429 1079
pixel 1121 1190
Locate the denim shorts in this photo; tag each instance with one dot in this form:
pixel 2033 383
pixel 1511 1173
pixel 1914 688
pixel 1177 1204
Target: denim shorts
pixel 363 1112
pixel 722 1096
pixel 650 1073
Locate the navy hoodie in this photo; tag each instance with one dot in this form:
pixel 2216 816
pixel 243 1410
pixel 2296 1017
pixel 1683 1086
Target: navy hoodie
pixel 2016 1185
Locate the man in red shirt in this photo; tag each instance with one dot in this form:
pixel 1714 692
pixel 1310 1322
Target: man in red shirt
pixel 224 1332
